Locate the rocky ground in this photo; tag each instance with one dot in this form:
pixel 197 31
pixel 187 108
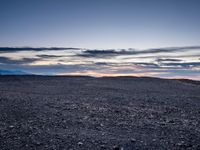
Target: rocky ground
pixel 123 113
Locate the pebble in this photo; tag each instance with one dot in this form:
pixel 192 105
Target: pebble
pixel 80 143
pixel 118 148
pixel 170 121
pixel 11 126
pixel 103 146
pixel 38 143
pixel 133 140
pixel 181 143
pixel 101 125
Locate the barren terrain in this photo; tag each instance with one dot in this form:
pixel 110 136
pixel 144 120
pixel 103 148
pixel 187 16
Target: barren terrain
pixel 121 113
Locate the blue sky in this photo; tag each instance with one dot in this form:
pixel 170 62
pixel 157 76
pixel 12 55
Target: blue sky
pixel 114 37
pixel 100 23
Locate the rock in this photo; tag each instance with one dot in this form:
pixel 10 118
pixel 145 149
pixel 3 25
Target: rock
pixel 103 146
pixel 118 148
pixel 11 126
pixel 181 143
pixel 85 117
pixel 38 143
pixel 154 140
pixel 133 140
pixel 80 143
pixel 170 121
pixel 184 145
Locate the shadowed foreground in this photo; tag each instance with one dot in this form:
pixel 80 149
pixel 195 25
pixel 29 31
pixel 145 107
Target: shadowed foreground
pixel 98 113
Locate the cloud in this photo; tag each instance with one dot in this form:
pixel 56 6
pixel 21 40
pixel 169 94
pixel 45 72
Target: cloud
pixel 168 59
pixel 106 51
pixel 171 65
pixel 184 65
pixel 49 56
pixel 15 49
pixel 114 52
pixel 102 63
pixel 98 53
pixel 161 62
pixel 147 65
pixel 6 60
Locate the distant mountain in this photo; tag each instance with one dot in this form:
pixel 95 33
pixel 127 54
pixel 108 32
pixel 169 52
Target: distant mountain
pixel 12 72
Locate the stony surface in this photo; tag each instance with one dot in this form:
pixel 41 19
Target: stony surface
pixel 124 113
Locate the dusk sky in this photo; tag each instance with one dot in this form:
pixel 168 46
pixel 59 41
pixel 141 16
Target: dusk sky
pixel 158 38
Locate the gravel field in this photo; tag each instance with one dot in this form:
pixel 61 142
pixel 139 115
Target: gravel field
pixel 119 113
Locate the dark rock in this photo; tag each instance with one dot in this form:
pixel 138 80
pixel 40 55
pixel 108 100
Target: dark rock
pixel 118 148
pixel 80 143
pixel 133 140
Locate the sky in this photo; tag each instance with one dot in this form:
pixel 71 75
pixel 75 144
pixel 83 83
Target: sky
pixel 107 37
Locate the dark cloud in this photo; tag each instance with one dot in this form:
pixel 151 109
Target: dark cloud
pixel 147 65
pixel 113 52
pixel 49 56
pixel 173 49
pixel 6 60
pixel 15 49
pixel 168 59
pixel 168 65
pixel 101 63
pixel 184 65
pixel 98 53
pixel 102 53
